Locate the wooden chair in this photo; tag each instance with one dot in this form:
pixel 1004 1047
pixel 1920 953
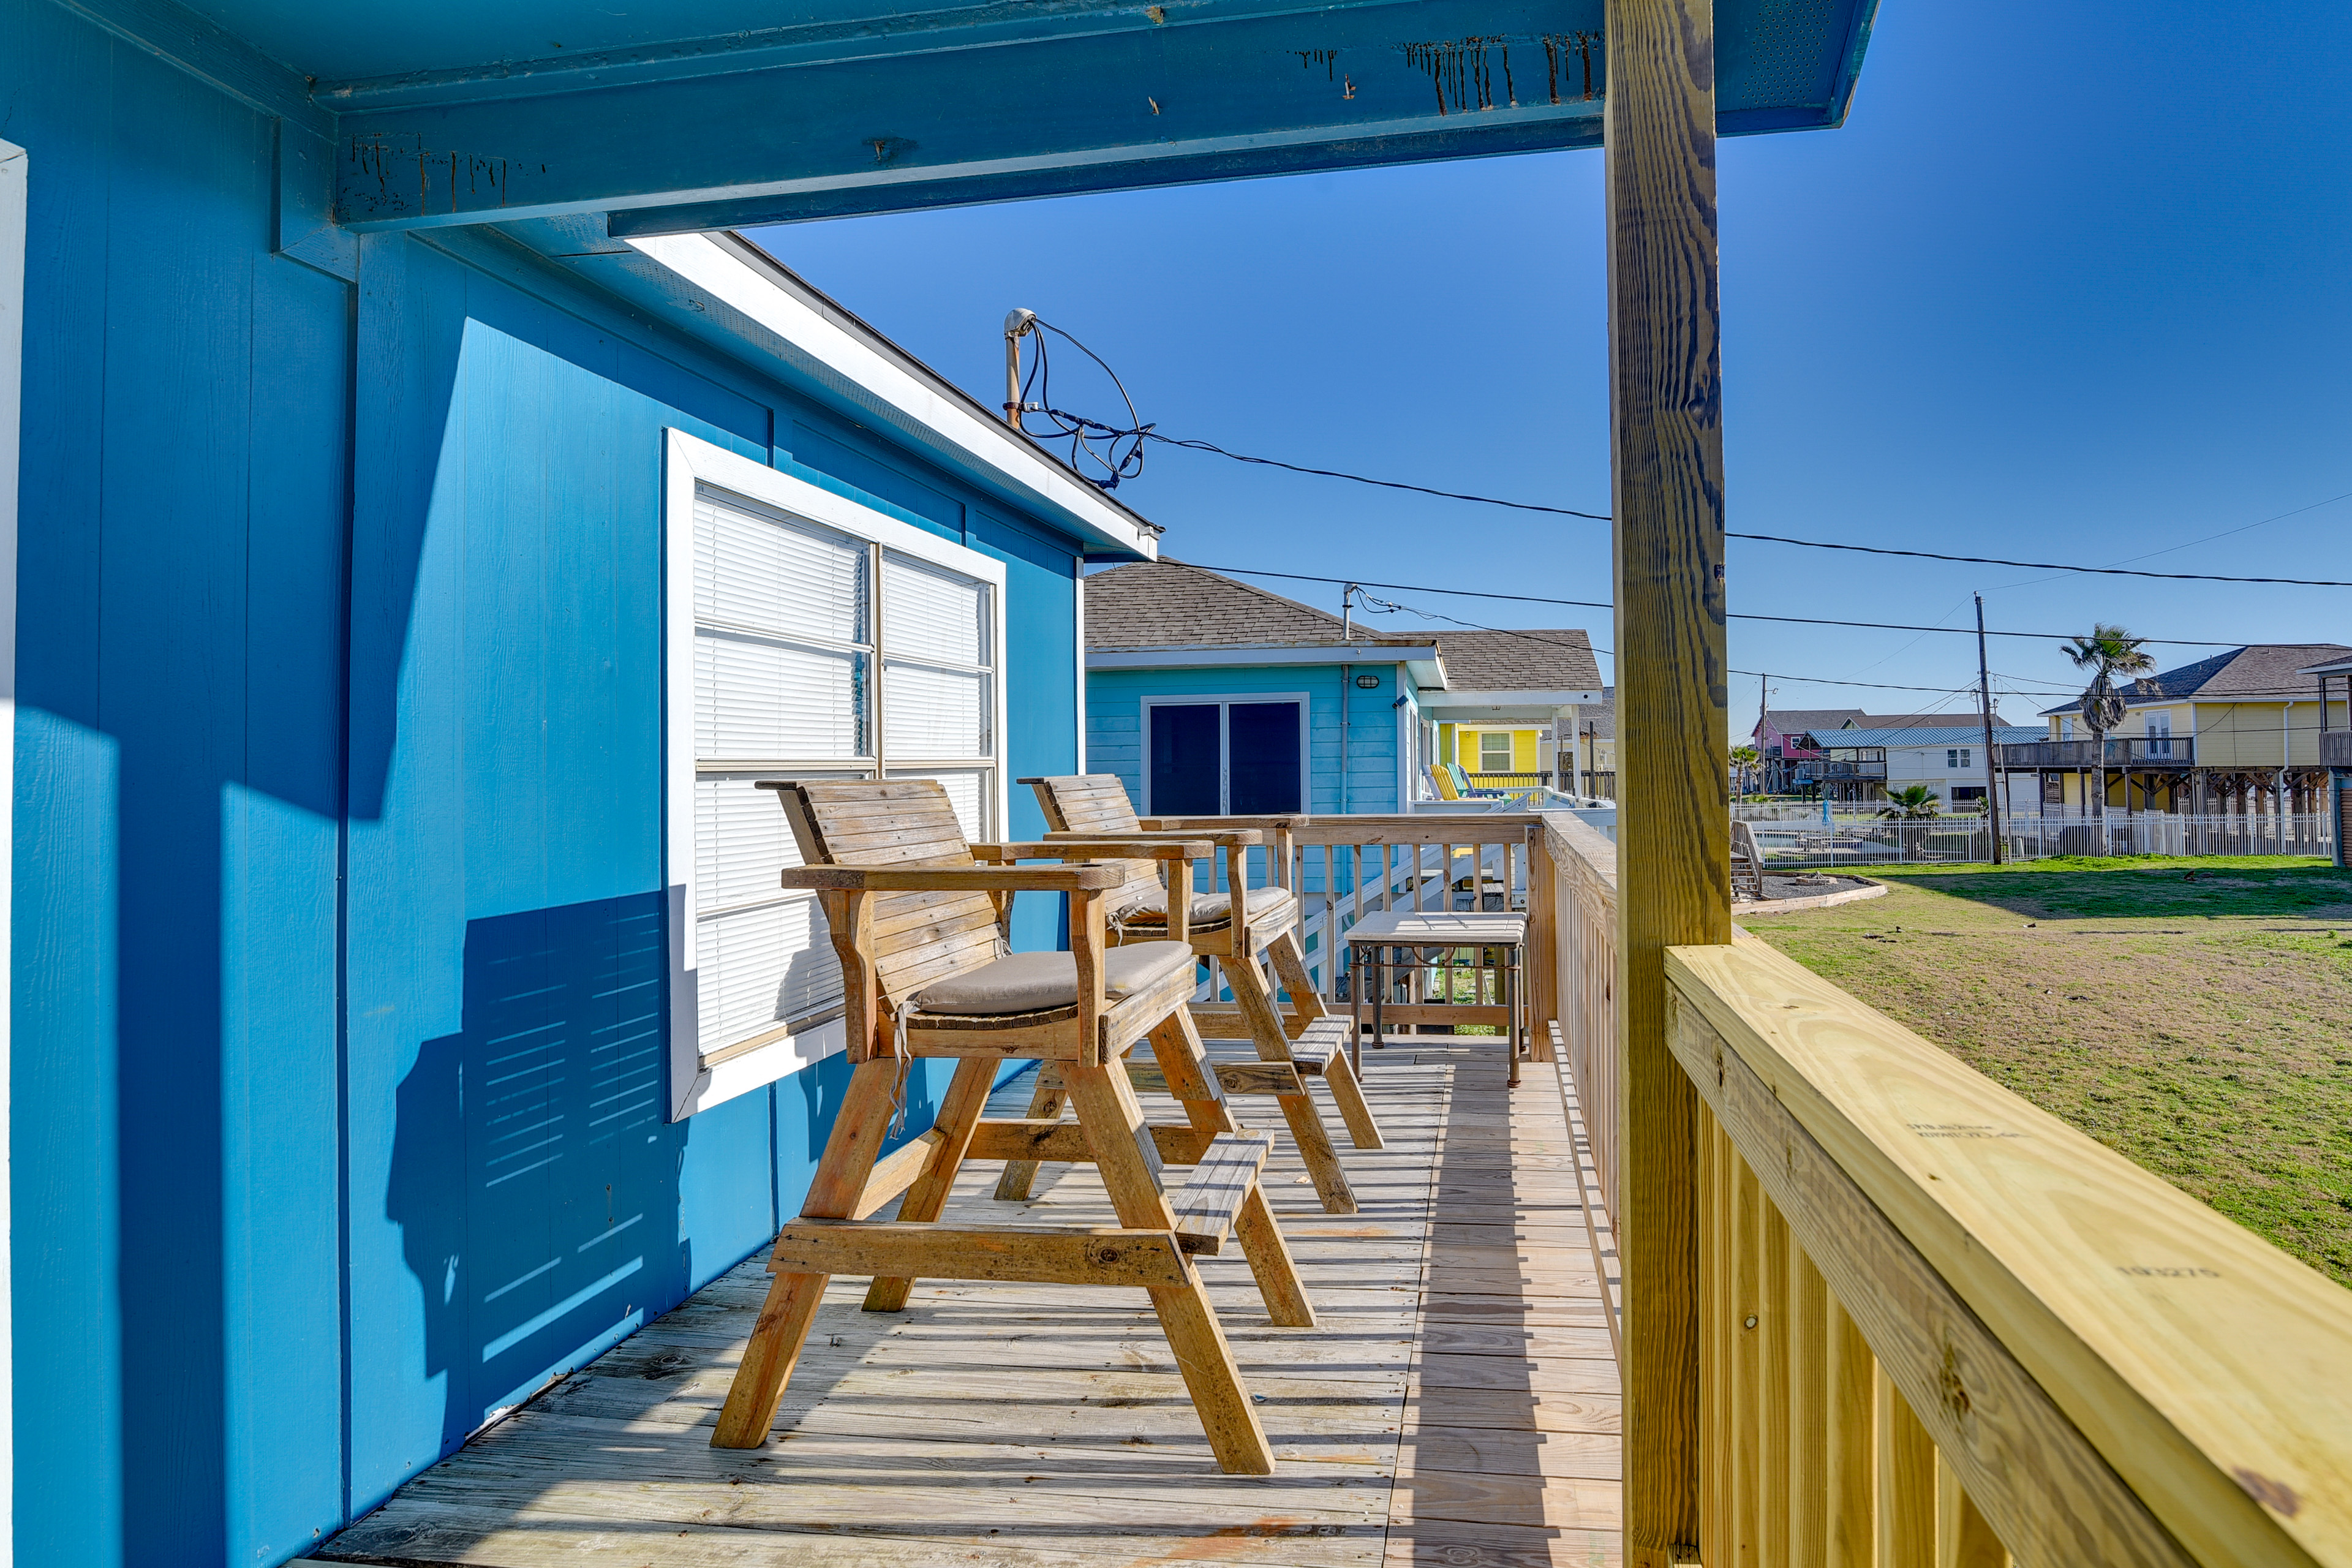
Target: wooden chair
pixel 1238 929
pixel 918 917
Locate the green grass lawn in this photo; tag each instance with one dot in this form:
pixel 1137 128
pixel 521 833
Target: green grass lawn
pixel 2194 1015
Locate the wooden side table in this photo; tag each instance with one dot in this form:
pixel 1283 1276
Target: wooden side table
pixel 1501 940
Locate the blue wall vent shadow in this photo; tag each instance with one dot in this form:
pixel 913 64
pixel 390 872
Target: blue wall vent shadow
pixel 534 1173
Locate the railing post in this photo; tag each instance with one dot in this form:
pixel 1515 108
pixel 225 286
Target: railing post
pixel 1673 818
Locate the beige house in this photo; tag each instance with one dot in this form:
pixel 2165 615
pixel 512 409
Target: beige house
pixel 2238 732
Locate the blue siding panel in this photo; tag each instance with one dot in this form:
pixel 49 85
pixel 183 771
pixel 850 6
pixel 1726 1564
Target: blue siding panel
pixel 1115 725
pixel 338 960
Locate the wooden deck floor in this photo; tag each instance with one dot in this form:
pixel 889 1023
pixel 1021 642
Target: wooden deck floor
pixel 1457 1405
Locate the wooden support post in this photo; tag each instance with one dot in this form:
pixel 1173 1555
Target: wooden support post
pixel 1673 821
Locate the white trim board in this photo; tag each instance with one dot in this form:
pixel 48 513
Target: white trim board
pixel 904 397
pixel 691 463
pixel 15 170
pixel 1217 656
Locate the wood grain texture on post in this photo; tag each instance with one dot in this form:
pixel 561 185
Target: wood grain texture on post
pixel 1674 825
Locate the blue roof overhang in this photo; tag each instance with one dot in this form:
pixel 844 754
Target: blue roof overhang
pixel 698 114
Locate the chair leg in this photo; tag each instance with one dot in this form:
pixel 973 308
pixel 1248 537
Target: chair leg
pixel 1271 1265
pixel 1129 1164
pixel 1184 1060
pixel 767 1361
pixel 1348 1094
pixel 1290 965
pixel 1298 1109
pixel 967 1096
pixel 1289 961
pixel 1045 1104
pixel 784 1319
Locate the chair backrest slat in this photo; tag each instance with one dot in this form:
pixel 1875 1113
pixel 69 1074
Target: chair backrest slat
pixel 1097 802
pixel 919 937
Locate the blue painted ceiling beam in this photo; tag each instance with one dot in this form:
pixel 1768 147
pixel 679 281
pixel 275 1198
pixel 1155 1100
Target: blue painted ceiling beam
pixel 677 114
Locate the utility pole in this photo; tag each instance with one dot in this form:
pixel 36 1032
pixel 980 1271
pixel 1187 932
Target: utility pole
pixel 1993 774
pixel 1763 716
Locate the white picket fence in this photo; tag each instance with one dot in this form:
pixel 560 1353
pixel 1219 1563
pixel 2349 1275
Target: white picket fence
pixel 1857 841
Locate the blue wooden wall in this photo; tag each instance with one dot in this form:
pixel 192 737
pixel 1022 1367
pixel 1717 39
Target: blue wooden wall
pixel 1115 741
pixel 337 1090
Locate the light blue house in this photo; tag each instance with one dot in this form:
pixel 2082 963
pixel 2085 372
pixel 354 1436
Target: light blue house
pixel 1205 694
pixel 1209 696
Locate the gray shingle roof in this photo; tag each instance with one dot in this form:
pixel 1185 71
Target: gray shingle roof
pixel 1167 604
pixel 1966 721
pixel 1536 660
pixel 1797 721
pixel 2260 672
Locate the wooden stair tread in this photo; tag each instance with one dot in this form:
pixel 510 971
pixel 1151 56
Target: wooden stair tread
pixel 1209 1202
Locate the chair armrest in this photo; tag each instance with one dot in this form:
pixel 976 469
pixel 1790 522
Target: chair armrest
pixel 1220 823
pixel 1099 847
pixel 1140 842
pixel 956 878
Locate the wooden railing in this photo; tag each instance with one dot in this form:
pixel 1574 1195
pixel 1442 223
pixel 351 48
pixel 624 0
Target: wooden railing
pixel 1939 1326
pixel 1344 866
pixel 2122 751
pixel 2336 748
pixel 1584 895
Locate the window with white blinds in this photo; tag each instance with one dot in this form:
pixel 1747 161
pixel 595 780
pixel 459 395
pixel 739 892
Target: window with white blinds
pixel 821 639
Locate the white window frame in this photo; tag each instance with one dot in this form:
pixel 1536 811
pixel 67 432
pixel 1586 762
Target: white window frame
pixel 1510 740
pixel 15 175
pixel 1222 703
pixel 693 464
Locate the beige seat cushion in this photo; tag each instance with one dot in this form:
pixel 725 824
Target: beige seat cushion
pixel 1209 909
pixel 1041 982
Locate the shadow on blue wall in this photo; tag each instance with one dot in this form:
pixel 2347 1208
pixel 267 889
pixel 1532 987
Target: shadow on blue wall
pixel 534 1175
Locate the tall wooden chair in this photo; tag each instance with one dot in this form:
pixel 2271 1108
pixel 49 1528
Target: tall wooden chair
pixel 1239 929
pixel 918 917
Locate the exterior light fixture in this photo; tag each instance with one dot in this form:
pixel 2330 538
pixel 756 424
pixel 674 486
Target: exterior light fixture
pixel 1368 682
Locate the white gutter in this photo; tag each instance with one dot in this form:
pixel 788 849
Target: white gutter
pixel 1218 654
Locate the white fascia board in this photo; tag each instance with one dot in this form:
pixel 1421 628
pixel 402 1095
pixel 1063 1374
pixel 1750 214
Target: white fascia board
pixel 938 418
pixel 1518 717
pixel 1461 696
pixel 1224 655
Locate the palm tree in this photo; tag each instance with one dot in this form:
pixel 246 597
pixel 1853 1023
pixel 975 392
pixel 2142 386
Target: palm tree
pixel 1743 762
pixel 1911 802
pixel 2107 652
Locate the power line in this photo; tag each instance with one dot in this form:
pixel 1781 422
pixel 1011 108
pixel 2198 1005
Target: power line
pixel 1359 479
pixel 1083 432
pixel 1736 616
pixel 2044 565
pixel 1385 605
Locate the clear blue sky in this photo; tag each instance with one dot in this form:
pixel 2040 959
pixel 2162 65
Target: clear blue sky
pixel 2074 282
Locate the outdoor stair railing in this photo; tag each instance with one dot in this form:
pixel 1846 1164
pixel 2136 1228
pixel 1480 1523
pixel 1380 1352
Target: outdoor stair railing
pixel 1936 1325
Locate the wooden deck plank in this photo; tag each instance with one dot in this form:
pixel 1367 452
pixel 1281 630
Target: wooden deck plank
pixel 1458 1403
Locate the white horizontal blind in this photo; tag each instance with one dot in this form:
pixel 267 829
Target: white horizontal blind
pixel 936 661
pixel 789 644
pixel 781 650
pixel 782 659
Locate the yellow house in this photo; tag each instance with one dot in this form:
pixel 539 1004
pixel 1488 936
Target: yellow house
pixel 1497 750
pixel 2227 732
pixel 1509 701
